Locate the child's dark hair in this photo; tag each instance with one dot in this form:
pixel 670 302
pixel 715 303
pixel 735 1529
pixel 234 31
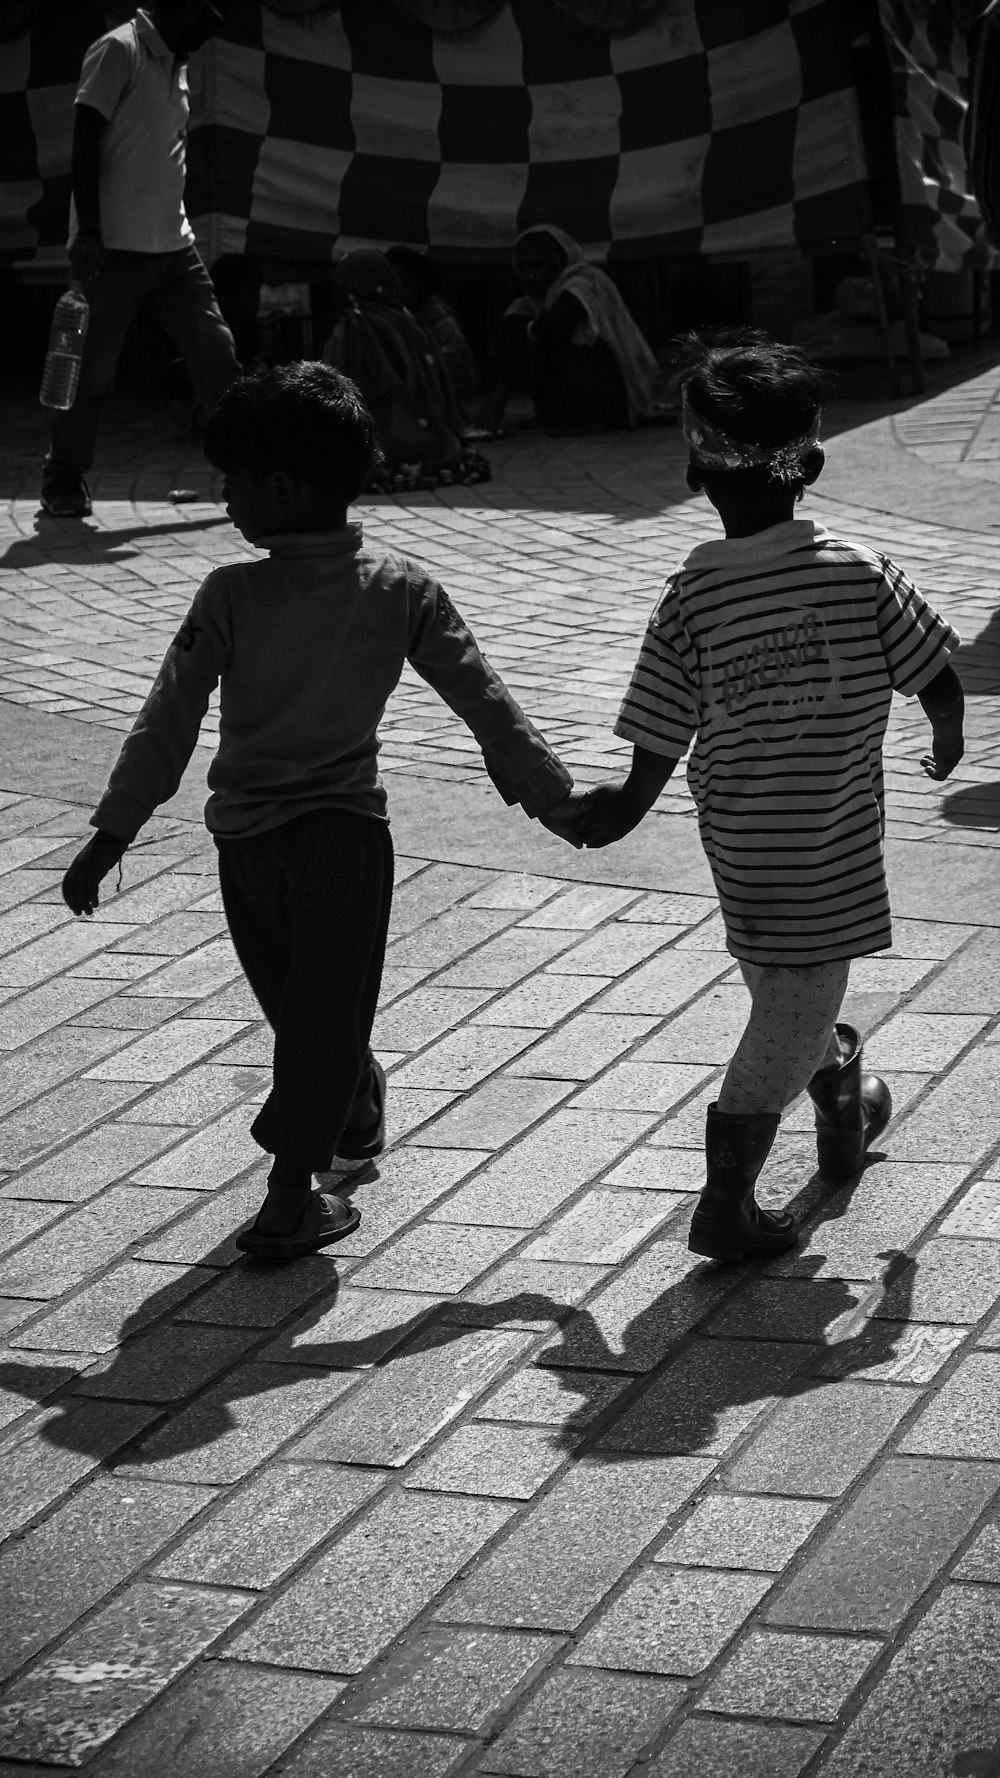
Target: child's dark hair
pixel 751 386
pixel 306 419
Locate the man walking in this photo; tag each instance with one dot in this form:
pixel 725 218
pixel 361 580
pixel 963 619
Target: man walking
pixel 131 243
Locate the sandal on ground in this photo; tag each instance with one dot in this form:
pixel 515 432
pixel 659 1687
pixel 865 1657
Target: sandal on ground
pixel 319 1226
pixel 365 1144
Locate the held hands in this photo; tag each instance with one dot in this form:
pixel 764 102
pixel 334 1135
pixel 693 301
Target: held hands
pixel 595 817
pixel 562 818
pixel 948 746
pixel 88 870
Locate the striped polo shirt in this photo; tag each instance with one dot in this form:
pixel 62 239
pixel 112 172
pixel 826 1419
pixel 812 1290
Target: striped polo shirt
pixel 778 654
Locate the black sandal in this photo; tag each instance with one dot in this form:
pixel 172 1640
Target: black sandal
pixel 318 1227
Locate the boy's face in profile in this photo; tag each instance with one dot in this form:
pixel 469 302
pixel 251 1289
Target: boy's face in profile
pixel 251 505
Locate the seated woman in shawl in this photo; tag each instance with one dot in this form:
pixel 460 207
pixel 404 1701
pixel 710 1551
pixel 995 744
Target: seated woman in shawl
pixel 571 338
pixel 397 366
pixel 422 294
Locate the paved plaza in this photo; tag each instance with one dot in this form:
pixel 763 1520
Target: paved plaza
pixel 508 1482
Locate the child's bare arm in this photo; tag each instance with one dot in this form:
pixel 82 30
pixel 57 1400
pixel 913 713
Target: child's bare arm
pixel 943 704
pixel 89 868
pixel 612 810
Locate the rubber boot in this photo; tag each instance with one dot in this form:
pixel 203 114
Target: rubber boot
pixel 851 1108
pixel 728 1223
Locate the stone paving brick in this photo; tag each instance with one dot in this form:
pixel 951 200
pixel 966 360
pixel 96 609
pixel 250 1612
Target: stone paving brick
pixel 20 1219
pixel 526 1293
pixel 963 1418
pixel 75 1700
pixel 981 1560
pixel 958 1120
pixel 602 1228
pixel 515 889
pixel 202 1162
pixel 493 1114
pixel 503 961
pixel 521 1187
pixel 267 1526
pixel 870 1566
pixel 255 1049
pixel 798 1678
pixel 508 1462
pixel 672 1621
pixel 206 1237
pixel 927 938
pixel 541 1001
pixel 161 1053
pixel 864 1224
pixel 121 1013
pixel 41 1463
pixel 194 975
pixel 948 1281
pixel 709 1747
pixel 583 1046
pixel 355 1331
pixel 937 1708
pixel 199 1096
pixel 31 1015
pixel 919 1041
pixel 553 1398
pixel 581 908
pixel 49 1060
pixel 642 1086
pixel 444 1678
pixel 436 1256
pixel 359 1594
pixel 236 1001
pixel 890 1352
pixel 14 1311
pixel 562 1557
pixel 583 1725
pixel 372 1753
pixel 665 983
pixel 54 1573
pixel 35 1129
pixel 258 1296
pixel 118 967
pixel 425 1014
pixel 407 1181
pixel 87 1238
pixel 409 1107
pixel 166 1363
pixel 26 1381
pixel 709 1395
pixel 743 1531
pixel 447 940
pixel 977 1212
pixel 57 951
pixel 435 891
pixel 131 1294
pixel 677 1171
pixel 613 951
pixel 670 909
pixel 178 934
pixel 219 1719
pixel 235 1424
pixel 818 1443
pixel 397 1410
pixel 706 1031
pixel 634 1320
pixel 787 1309
pixel 969 981
pixel 465 1057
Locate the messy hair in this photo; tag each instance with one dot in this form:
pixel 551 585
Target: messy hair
pixel 306 419
pixel 751 386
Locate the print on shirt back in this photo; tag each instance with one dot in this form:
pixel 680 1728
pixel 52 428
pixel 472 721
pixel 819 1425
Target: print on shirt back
pixel 760 677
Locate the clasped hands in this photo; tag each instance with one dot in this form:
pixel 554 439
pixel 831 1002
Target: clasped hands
pixel 595 817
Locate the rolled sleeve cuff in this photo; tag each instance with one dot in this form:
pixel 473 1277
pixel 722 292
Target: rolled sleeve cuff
pixel 548 784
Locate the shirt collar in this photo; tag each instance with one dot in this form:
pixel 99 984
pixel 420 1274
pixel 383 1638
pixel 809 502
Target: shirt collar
pixel 345 540
pixel 150 36
pixel 777 540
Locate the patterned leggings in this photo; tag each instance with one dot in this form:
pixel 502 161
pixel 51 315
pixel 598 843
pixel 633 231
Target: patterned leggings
pixel 789 1034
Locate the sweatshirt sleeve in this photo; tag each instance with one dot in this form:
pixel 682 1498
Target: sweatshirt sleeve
pixel 151 763
pixel 444 652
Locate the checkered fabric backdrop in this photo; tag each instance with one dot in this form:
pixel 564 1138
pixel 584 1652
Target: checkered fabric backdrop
pixel 720 129
pixel 928 52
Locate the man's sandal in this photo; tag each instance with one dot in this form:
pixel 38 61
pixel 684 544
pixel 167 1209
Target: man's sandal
pixel 319 1226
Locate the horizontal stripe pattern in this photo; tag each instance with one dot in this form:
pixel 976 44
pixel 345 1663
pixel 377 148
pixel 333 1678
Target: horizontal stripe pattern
pixel 778 655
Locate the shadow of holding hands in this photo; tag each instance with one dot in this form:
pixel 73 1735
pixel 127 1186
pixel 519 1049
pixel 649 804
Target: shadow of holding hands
pixel 685 1387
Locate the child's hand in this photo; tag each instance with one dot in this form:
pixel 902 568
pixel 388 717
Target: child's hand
pixel 948 746
pixel 88 870
pixel 610 813
pixel 562 818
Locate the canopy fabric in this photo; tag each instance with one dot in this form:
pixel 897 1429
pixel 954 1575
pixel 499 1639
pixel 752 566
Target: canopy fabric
pixel 714 130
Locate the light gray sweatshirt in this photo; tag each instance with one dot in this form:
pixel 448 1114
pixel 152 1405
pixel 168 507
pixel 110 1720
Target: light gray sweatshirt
pixel 308 645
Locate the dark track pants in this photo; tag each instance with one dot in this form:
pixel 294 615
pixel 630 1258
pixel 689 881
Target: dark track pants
pixel 308 908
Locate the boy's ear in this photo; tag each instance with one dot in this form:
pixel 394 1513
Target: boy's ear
pixel 280 486
pixel 812 465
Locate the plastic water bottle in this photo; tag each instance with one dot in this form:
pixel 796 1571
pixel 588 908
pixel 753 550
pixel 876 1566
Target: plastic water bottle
pixel 65 354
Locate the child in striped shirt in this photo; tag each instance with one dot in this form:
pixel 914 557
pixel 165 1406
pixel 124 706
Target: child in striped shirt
pixel 777 651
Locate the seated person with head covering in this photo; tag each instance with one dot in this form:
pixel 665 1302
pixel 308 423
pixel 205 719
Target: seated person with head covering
pixel 396 364
pixel 418 276
pixel 571 338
